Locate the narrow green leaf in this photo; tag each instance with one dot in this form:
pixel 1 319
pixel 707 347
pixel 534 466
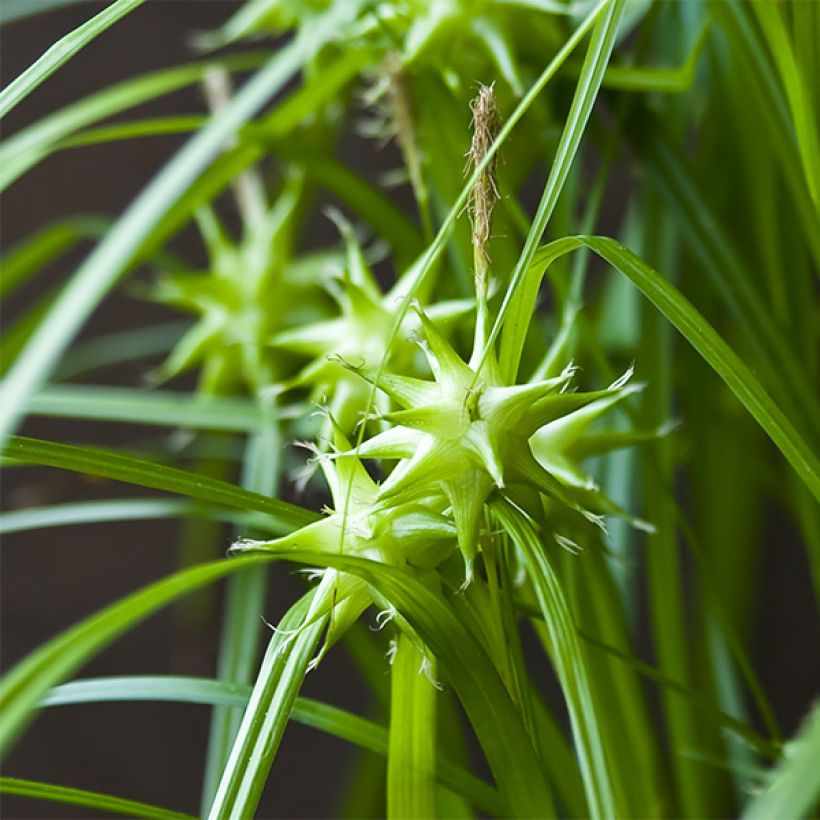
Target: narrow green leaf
pixel 794 788
pixel 723 360
pixel 315 714
pixel 90 800
pixel 24 685
pixel 23 150
pixel 35 252
pixel 695 329
pixel 95 512
pixel 132 406
pixel 567 658
pixel 411 758
pixel 803 113
pixel 61 52
pixel 267 713
pixel 662 80
pixel 119 347
pixel 710 242
pixel 12 10
pixel 244 599
pixel 108 464
pixel 153 127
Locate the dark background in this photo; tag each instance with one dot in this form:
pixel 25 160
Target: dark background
pixel 53 578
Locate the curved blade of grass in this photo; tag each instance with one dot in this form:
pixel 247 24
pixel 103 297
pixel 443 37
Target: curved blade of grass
pixel 313 713
pixel 35 252
pixel 128 509
pixel 134 406
pixel 661 80
pixel 795 785
pixel 119 347
pixel 411 757
pixel 108 464
pixel 568 660
pixel 244 600
pixel 755 740
pixel 803 114
pixel 89 800
pixel 723 360
pixel 239 25
pixel 16 334
pixel 115 253
pixel 152 127
pixel 753 61
pixel 694 328
pixel 710 242
pixel 92 512
pixel 267 714
pixel 34 143
pixel 12 10
pixel 61 52
pixel 23 686
pixel 464 663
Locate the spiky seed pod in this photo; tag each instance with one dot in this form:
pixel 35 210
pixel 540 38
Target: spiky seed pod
pixel 412 535
pixel 466 433
pixel 357 337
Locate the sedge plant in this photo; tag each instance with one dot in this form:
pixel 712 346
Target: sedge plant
pixel 538 433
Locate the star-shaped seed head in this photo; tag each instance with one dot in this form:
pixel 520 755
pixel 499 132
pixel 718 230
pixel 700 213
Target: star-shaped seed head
pixel 465 434
pixel 236 298
pixel 358 337
pixel 414 535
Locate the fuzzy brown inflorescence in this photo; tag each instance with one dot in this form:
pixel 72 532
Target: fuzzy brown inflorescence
pixel 486 123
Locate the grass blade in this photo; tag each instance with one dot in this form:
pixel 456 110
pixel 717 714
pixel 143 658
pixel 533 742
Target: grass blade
pixel 723 360
pixel 774 28
pixel 132 406
pixel 96 512
pixel 90 800
pixel 108 464
pixel 267 713
pixel 12 10
pixel 315 714
pixel 31 145
pixel 567 657
pixel 411 759
pixel 699 333
pixel 795 787
pixel 61 52
pixel 36 251
pixel 245 597
pixel 23 686
pixel 123 346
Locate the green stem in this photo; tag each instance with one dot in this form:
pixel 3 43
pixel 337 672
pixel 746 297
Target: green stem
pixel 411 758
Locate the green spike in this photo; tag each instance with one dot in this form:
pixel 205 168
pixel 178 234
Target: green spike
pixel 448 365
pixel 480 438
pixel 405 390
pixel 467 494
